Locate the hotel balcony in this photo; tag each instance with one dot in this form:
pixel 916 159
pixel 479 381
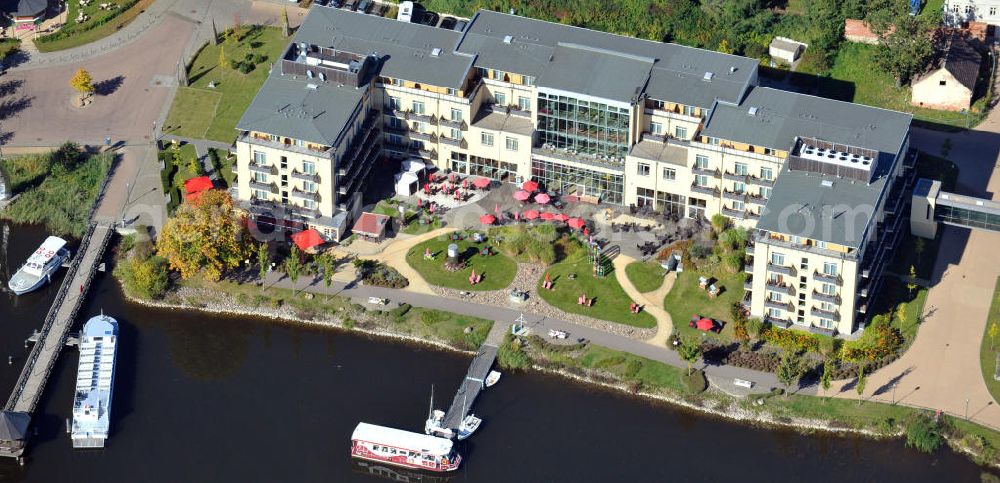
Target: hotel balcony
pixel 460 124
pixel 782 269
pixel 774 304
pixel 783 323
pixel 762 182
pixel 749 248
pixel 705 190
pixel 826 278
pixel 459 143
pixel 753 216
pixel 780 287
pixel 738 214
pixel 706 171
pixel 735 176
pixel 254 140
pixel 822 297
pixel 748 267
pixel 423 136
pixel 734 195
pixel 305 195
pixel 756 199
pixel 815 329
pixel 834 316
pixel 305 176
pixel 748 283
pixel 262 168
pixel 269 187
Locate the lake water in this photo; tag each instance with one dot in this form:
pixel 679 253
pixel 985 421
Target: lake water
pixel 204 398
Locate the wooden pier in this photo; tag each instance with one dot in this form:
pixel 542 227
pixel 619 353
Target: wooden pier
pixel 54 332
pixel 475 378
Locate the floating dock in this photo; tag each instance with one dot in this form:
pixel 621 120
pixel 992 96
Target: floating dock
pixel 474 383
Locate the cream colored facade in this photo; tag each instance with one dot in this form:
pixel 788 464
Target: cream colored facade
pixel 941 90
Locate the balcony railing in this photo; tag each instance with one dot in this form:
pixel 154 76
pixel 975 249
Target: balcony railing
pixel 826 314
pixel 783 323
pixel 305 195
pixel 775 304
pixel 748 268
pixel 263 168
pixel 822 297
pixel 749 248
pixel 757 199
pixel 780 287
pixel 247 138
pixel 827 278
pixel 459 124
pixel 706 171
pixel 738 214
pixel 734 195
pixel 460 143
pixel 735 176
pixel 753 216
pixel 815 329
pixel 269 187
pixel 305 176
pixel 423 136
pixel 762 182
pixel 782 269
pixel 748 284
pixel 705 190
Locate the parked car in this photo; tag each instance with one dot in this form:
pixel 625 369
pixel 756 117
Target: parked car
pixel 429 18
pixel 448 22
pixel 405 13
pixel 364 5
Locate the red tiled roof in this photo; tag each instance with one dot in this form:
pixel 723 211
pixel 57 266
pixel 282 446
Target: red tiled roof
pixel 371 224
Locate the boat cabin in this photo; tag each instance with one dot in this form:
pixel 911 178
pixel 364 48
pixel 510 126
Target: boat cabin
pixel 38 263
pixel 403 448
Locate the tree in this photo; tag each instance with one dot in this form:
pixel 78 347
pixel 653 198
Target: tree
pixel 719 223
pixel 901 313
pixel 82 82
pixel 285 29
pixel 205 236
pixel 994 330
pixel 689 351
pixel 143 278
pixel 264 260
pixel 911 284
pixel 826 23
pixel 293 266
pixel 905 43
pixel 66 158
pixel 724 47
pixel 789 370
pixel 824 379
pixel 918 248
pixel 326 263
pixel 859 387
pixel 223 62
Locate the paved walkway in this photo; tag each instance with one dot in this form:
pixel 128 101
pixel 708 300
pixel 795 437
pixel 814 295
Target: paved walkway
pixel 394 255
pixel 664 325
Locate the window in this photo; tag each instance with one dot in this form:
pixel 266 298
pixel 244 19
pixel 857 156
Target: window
pixel 713 141
pixel 741 169
pixel 643 169
pixel 954 8
pixel 774 313
pixel 701 180
pixel 259 177
pixel 654 104
pixel 486 139
pixel 644 197
pixel 523 103
pixel 397 82
pixel 500 98
pixel 690 111
pixel 259 157
pixel 776 296
pixel 820 244
pixel 765 192
pixel 511 144
pixel 669 174
pixel 310 204
pixel 456 133
pixel 680 132
pixel 738 205
pixel 274 138
pixel 656 128
pixel 826 323
pixel 395 103
pixel 828 289
pixel 298 142
pixel 970 9
pixel 418 107
pixel 419 126
pixel 942 82
pixel 739 187
pixel 778 259
pixel 993 11
pixel 804 263
pixel 456 115
pixel 395 139
pixel 766 174
pixel 795 239
pixel 701 161
pixel 830 268
pixel 397 123
pixel 827 307
pixel 309 186
pixel 309 167
pixel 528 80
pixel 499 74
pixel 260 194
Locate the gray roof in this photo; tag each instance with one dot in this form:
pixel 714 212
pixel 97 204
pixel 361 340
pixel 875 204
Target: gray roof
pixel 24 8
pixel 658 151
pixel 496 121
pixel 405 48
pixel 781 116
pixel 676 73
pixel 293 108
pixel 13 425
pixel 960 59
pixel 801 205
pixel 572 68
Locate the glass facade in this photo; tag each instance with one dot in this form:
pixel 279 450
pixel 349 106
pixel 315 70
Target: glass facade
pixel 583 126
pixel 574 180
pixel 967 217
pixel 490 168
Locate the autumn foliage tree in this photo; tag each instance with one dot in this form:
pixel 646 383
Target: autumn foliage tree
pixel 82 82
pixel 205 237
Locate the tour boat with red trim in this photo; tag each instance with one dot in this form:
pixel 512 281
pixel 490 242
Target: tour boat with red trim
pixel 404 448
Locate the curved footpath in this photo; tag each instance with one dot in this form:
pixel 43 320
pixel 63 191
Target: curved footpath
pixel 664 324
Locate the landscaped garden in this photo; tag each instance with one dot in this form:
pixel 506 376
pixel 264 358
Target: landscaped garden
pixel 687 299
pixel 645 276
pixel 496 271
pixel 417 221
pixel 99 23
pixel 223 80
pixel 180 162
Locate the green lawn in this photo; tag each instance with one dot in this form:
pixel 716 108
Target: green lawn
pixel 686 299
pixel 212 113
pixel 987 350
pixel 177 171
pixel 101 23
pixel 610 301
pixel 497 270
pixel 225 166
pixel 24 171
pixel 855 66
pixel 646 276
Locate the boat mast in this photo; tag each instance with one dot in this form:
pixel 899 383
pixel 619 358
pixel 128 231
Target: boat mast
pixel 430 410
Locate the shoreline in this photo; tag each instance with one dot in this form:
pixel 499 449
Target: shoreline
pixel 726 410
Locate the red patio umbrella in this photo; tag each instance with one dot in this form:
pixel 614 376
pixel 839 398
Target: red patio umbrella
pixel 431 208
pixel 481 183
pixel 530 186
pixel 561 217
pixel 530 215
pixel 542 198
pixel 420 202
pixel 307 239
pixel 488 219
pixel 521 195
pixel 465 184
pixel 197 185
pixel 547 216
pixel 576 223
pixel 547 277
pixel 705 324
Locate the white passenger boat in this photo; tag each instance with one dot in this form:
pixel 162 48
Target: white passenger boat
pixel 40 266
pixel 468 426
pixel 403 448
pixel 94 382
pixel 492 378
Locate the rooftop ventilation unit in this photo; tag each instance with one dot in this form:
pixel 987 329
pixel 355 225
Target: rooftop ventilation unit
pixel 708 76
pixel 752 111
pixel 436 52
pixel 508 39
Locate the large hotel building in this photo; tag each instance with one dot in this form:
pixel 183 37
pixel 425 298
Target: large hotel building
pixel 604 117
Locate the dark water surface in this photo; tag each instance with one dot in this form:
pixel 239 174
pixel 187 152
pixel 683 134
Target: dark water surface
pixel 202 398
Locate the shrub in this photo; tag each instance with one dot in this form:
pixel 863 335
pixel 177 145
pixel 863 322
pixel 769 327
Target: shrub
pixel 923 434
pixel 431 317
pixel 755 327
pixel 732 262
pixel 379 274
pixel 245 67
pixel 143 278
pixel 699 251
pixel 791 340
pixel 511 354
pixel 696 383
pixel 719 223
pixel 400 312
pixel 632 368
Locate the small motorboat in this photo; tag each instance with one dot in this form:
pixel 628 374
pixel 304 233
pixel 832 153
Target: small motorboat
pixel 40 267
pixel 557 334
pixel 492 378
pixel 468 426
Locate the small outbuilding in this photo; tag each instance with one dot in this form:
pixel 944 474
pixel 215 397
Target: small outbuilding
pixel 949 82
pixel 25 14
pixel 786 49
pixel 371 226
